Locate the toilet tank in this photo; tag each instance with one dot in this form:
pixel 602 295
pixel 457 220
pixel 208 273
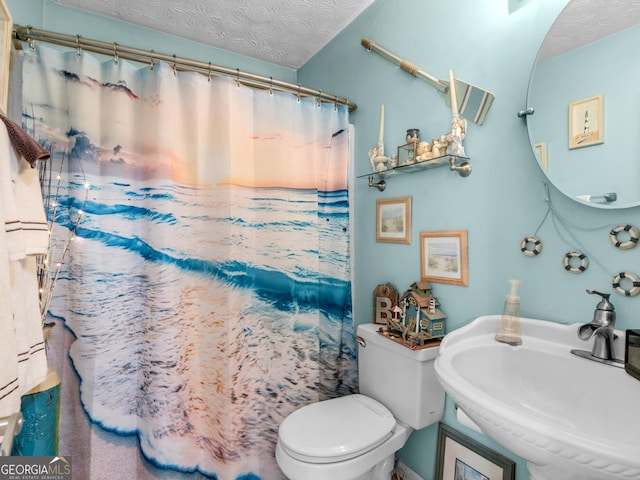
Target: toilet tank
pixel 402 379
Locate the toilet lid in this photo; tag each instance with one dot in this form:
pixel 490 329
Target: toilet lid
pixel 337 429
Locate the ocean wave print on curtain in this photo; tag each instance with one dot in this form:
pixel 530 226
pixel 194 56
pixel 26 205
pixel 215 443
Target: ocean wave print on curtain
pixel 207 294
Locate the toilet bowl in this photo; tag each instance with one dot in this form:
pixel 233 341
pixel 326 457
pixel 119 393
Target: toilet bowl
pixel 355 437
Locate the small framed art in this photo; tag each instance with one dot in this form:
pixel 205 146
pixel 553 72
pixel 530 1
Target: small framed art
pixel 586 125
pixel 444 257
pixel 460 457
pixel 541 152
pixel 393 220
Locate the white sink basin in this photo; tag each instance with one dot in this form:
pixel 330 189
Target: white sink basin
pixel 569 417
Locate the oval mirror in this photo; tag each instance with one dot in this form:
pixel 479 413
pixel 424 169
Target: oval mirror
pixel 585 94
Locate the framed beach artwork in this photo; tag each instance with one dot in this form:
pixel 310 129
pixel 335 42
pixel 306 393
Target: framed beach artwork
pixel 462 458
pixel 444 257
pixel 586 125
pixel 393 220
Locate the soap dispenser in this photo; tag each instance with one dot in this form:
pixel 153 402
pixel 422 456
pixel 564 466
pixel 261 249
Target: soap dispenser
pixel 509 328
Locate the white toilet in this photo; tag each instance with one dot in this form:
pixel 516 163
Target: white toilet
pixel 356 437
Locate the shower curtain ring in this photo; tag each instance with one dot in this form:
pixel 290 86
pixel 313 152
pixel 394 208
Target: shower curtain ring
pixel 174 67
pixel 30 41
pixel 152 62
pixel 270 86
pixel 238 77
pixel 319 98
pixel 115 53
pixel 209 75
pixel 299 87
pixel 78 49
pixel 335 104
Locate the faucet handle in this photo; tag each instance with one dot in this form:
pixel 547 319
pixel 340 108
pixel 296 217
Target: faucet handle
pixel 604 304
pixel 605 311
pixel 605 296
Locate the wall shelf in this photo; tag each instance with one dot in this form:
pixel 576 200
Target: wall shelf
pixel 455 163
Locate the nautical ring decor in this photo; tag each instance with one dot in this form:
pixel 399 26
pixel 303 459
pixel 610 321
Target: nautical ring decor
pixel 566 262
pixel 626 291
pixel 531 246
pixel 633 232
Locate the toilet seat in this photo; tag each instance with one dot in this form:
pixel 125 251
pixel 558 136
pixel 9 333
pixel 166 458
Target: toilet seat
pixel 337 429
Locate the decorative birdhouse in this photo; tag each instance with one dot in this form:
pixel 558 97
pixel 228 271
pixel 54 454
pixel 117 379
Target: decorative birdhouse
pixel 423 320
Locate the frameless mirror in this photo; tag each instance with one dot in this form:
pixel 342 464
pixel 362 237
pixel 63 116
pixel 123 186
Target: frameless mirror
pixel 585 129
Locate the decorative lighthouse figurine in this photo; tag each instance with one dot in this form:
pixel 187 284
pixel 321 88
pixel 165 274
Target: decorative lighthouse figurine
pixel 376 155
pixel 458 125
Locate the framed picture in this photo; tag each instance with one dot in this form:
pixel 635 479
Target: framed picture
pixel 444 258
pixel 541 152
pixel 462 458
pixel 586 125
pixel 393 220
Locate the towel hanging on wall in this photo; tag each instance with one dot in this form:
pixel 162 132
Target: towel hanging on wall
pixel 24 235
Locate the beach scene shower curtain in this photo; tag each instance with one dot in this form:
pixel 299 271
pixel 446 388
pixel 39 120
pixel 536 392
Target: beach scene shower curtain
pixel 207 291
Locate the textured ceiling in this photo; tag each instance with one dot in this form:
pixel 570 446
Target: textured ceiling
pixel 283 32
pixel 583 21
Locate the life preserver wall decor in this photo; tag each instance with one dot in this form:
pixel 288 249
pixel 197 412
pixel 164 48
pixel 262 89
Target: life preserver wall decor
pixel 623 237
pixel 570 266
pixel 618 286
pixel 531 246
pixel 633 232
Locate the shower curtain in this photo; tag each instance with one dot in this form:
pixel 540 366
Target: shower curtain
pixel 207 292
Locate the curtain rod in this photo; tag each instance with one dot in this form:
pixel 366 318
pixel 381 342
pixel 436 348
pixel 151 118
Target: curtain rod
pixel 29 34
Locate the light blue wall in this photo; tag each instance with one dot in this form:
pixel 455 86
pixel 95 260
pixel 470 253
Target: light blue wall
pixel 48 15
pixel 499 204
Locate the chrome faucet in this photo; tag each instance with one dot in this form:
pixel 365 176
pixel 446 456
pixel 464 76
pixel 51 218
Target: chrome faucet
pixel 601 329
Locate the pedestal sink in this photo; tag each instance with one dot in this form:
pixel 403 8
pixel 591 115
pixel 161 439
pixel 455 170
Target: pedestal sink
pixel 571 418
